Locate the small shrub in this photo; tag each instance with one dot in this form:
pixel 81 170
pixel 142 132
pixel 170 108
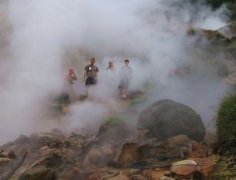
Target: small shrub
pixel 218 3
pixel 232 9
pixel 114 128
pixel 226 124
pixel 113 121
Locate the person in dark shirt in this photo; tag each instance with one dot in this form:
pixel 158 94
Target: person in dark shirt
pixel 90 73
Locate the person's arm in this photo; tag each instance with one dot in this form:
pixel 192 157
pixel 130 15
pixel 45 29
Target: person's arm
pixel 97 70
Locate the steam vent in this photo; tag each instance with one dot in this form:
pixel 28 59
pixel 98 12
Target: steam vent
pixel 117 90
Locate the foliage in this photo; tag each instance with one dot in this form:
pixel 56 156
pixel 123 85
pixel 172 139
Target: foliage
pixel 137 101
pixel 63 99
pixel 218 3
pixel 232 8
pixel 113 121
pixel 114 128
pixel 225 168
pixel 230 4
pixel 226 124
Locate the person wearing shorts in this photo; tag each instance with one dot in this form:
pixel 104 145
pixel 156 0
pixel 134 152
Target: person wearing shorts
pixel 90 73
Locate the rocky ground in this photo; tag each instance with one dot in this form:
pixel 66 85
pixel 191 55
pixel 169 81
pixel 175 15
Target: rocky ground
pixel 54 156
pixel 116 154
pixel 154 151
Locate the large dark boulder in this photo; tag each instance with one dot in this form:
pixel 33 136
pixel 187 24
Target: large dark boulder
pixel 166 118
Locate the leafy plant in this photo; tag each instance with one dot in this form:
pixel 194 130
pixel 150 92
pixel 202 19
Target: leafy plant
pixel 226 124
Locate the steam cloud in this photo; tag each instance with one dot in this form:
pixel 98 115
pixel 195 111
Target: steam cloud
pixel 152 34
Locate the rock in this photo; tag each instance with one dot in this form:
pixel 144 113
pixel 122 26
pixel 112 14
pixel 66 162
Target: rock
pixel 39 173
pixel 12 155
pixel 154 153
pixel 48 140
pixel 129 155
pixel 100 156
pixel 73 174
pixel 52 161
pixel 229 30
pixel 207 165
pixel 182 144
pixel 119 177
pixel 138 177
pixel 104 173
pixel 155 174
pixel 134 171
pixel 7 154
pixel 4 161
pixel 45 150
pixel 186 169
pixel 22 140
pixel 166 178
pixel 199 150
pixel 166 118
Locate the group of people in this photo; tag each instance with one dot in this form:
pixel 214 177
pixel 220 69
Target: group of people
pixel 91 75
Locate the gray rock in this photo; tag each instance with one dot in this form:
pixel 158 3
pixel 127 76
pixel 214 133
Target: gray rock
pixel 39 173
pixel 166 118
pixel 100 156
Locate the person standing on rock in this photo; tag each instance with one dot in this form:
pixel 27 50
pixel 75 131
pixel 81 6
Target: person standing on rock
pixel 70 89
pixel 71 76
pixel 110 78
pixel 90 73
pixel 125 78
pixel 111 66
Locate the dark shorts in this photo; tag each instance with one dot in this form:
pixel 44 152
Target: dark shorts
pixel 90 81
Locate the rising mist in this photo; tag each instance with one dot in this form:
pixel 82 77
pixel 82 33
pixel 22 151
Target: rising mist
pixel 153 35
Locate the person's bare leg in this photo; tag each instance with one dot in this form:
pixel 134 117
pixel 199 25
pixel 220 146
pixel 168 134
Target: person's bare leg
pixel 124 93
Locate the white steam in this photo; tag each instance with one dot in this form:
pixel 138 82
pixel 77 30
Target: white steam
pixel 152 34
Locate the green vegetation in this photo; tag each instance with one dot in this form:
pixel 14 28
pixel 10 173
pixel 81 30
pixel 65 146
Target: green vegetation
pixel 137 101
pixel 232 8
pixel 218 3
pixel 230 4
pixel 63 99
pixel 113 121
pixel 113 128
pixel 226 145
pixel 225 169
pixel 226 125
